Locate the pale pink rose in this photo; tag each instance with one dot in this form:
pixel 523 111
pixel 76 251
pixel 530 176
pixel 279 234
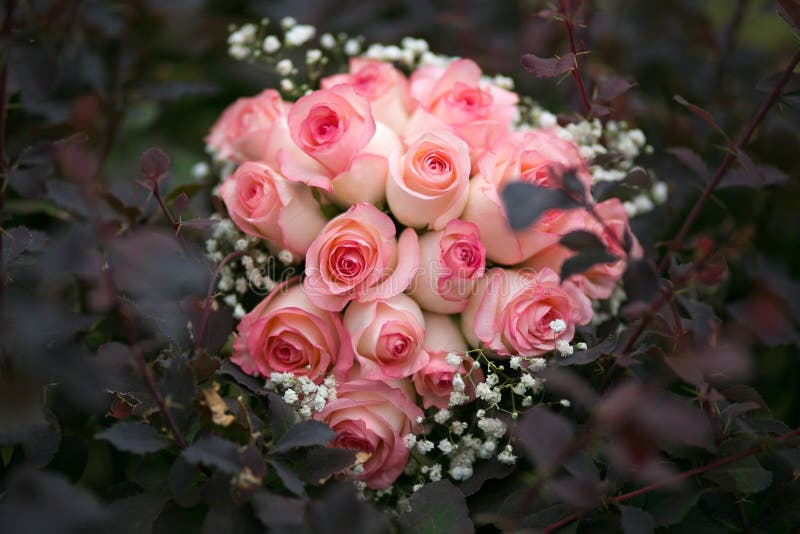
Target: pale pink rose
pixel 387 337
pixel 357 257
pixel 450 261
pixel 331 141
pixel 287 333
pixel 372 417
pixel 382 84
pixel 598 281
pixel 264 204
pixel 240 134
pixel 538 157
pixel 512 310
pixel 428 182
pixel 478 112
pixel 434 382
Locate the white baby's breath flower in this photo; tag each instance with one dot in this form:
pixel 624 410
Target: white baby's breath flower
pixel 507 457
pixel 527 401
pixel 271 44
pixel 419 419
pixel 565 403
pixel 287 85
pixel 581 346
pixel 515 362
pixel 416 487
pixel 352 47
pixel 458 383
pixel 442 416
pixel 537 364
pixel 485 392
pixel 425 446
pixel 458 427
pixel 409 440
pixel 445 446
pixel 487 449
pixel 558 326
pixel 461 472
pixel 290 396
pixel 327 41
pixel 300 34
pixel 659 192
pixel 564 348
pixel 435 472
pixel 288 22
pixel 313 56
pixel 493 428
pixel 458 398
pixel 238 52
pixel 284 67
pixel 453 359
pixel 200 170
pixel 285 257
pixel 492 379
pixel 527 380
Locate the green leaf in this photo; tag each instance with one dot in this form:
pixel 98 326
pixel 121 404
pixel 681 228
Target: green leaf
pixel 438 508
pixel 137 438
pixel 669 508
pixel 745 476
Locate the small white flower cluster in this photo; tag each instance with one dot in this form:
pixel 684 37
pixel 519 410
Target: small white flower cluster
pixel 249 272
pixel 412 53
pixel 301 393
pixel 595 140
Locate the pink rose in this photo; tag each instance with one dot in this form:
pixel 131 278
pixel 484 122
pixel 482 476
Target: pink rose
pixel 384 86
pixel 357 257
pixel 511 312
pixel 287 333
pixel 428 183
pixel 598 281
pixel 477 112
pixel 264 204
pixel 331 141
pixel 434 382
pixel 538 157
pixel 241 132
pixel 372 417
pixel 387 337
pixel 451 260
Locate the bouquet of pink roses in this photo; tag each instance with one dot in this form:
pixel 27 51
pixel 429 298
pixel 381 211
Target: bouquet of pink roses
pixel 420 320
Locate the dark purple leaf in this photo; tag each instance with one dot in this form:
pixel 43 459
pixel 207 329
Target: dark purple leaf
pixel 582 240
pixel 525 203
pixel 137 513
pixel 578 492
pixel 304 434
pixel 544 435
pixel 282 417
pixel 758 176
pixel 179 204
pixel 548 67
pixel 319 464
pixel 703 114
pixel 185 482
pixel 636 520
pixel 585 260
pixel 746 476
pixel 248 382
pixel 214 451
pixel 290 480
pixel 569 384
pixel 485 471
pixel 438 508
pixel 154 165
pixel 582 357
pixel 638 177
pixel 137 438
pixel 670 508
pixel 611 87
pixel 340 511
pixel 691 161
pixel 640 281
pixel 279 513
pixel 790 11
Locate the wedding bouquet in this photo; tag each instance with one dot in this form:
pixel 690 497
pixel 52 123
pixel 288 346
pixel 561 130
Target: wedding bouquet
pixel 368 254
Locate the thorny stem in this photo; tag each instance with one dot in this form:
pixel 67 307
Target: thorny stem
pixel 569 26
pixel 729 158
pixel 150 380
pixel 5 32
pixel 677 478
pixel 198 340
pixel 175 224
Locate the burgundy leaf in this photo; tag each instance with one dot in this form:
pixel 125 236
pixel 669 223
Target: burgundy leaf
pixel 703 114
pixel 548 67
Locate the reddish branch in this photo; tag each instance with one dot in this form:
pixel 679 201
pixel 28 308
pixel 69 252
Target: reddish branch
pixel 677 478
pixel 198 340
pixel 4 33
pixel 730 157
pixel 569 26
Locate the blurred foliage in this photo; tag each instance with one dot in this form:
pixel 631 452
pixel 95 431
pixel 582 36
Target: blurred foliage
pixel 100 293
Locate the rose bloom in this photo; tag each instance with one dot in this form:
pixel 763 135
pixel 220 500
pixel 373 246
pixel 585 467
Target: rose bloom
pixel 538 157
pixel 357 257
pixel 287 333
pixel 450 261
pixel 434 382
pixel 599 280
pixel 331 141
pixel 241 132
pixel 477 112
pixel 511 312
pixel 387 337
pixel 382 84
pixel 372 417
pixel 262 203
pixel 428 183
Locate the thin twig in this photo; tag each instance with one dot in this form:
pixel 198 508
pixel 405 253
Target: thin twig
pixel 198 340
pixel 576 71
pixel 729 158
pixel 6 31
pixel 677 478
pixel 176 225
